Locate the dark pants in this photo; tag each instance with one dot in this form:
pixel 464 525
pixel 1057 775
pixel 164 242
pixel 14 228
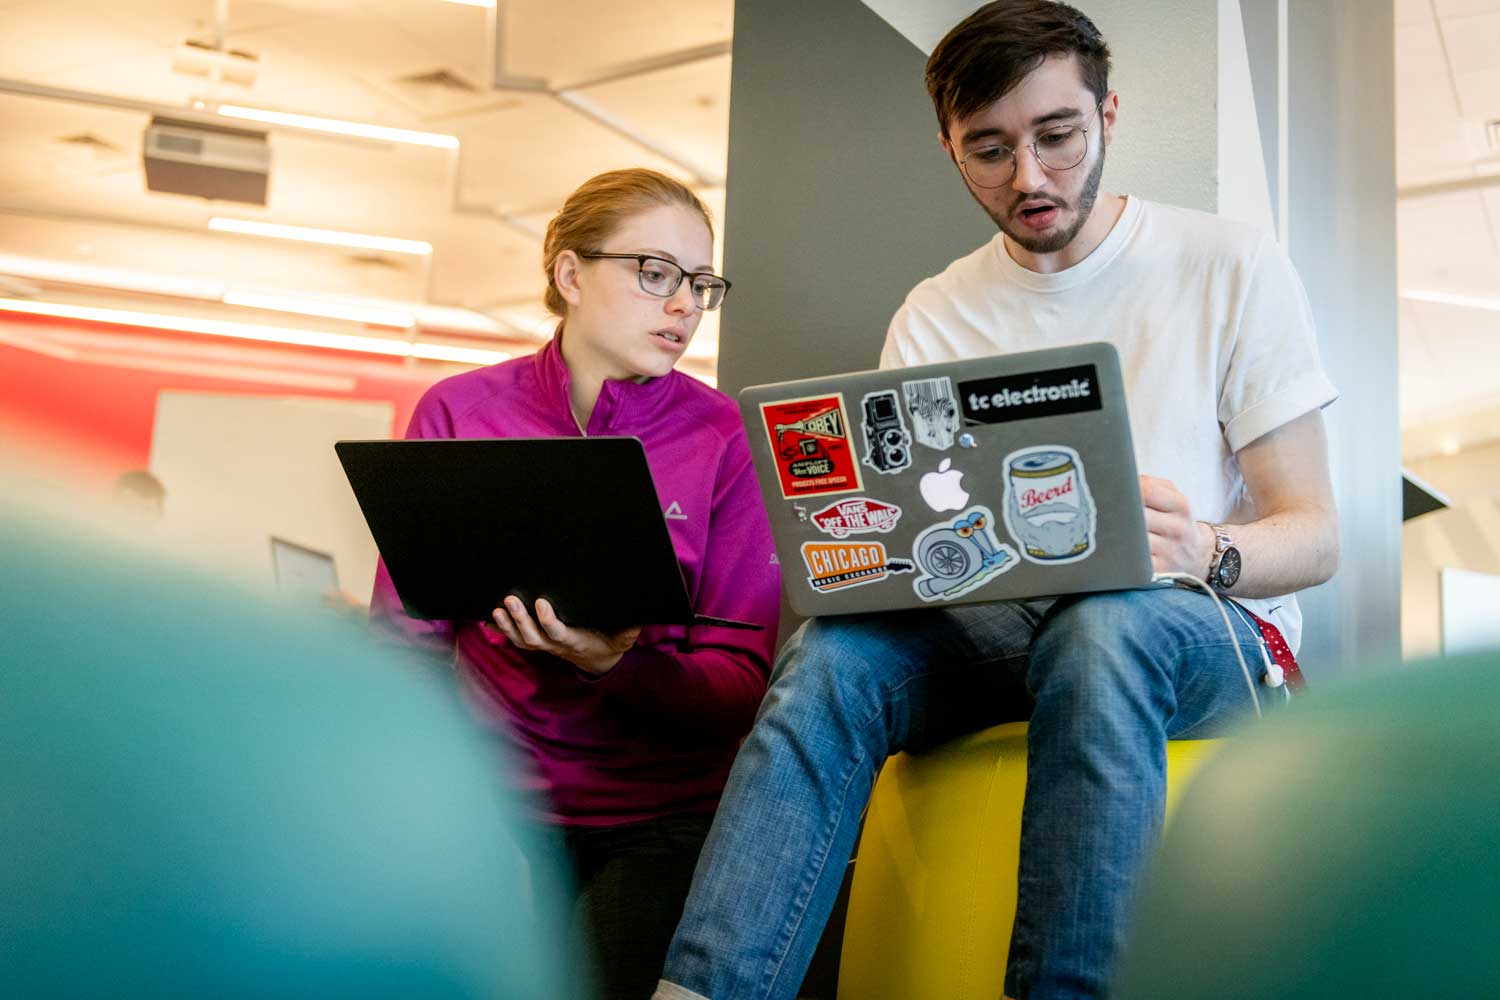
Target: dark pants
pixel 632 881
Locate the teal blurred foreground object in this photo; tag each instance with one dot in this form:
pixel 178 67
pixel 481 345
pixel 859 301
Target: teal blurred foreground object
pixel 203 794
pixel 1349 847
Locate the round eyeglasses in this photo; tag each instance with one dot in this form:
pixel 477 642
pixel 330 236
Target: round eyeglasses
pixel 660 277
pixel 1061 148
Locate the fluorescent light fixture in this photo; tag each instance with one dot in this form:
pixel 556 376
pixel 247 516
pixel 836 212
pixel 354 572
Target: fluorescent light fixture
pixel 328 237
pixel 1447 299
pixel 336 126
pixel 68 273
pixel 331 308
pixel 250 331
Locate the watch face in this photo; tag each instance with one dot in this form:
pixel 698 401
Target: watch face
pixel 1229 568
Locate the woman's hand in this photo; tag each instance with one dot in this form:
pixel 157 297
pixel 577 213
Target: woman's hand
pixel 590 650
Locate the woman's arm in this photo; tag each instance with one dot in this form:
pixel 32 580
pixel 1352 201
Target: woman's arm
pixel 714 681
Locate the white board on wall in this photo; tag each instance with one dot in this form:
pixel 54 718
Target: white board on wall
pixel 241 469
pixel 1471 611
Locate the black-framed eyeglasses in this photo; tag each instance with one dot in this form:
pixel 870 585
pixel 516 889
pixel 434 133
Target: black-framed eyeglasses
pixel 1060 148
pixel 660 277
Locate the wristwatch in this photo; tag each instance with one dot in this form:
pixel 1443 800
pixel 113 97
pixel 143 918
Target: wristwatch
pixel 1224 568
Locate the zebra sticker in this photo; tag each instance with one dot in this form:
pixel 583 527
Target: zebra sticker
pixel 934 411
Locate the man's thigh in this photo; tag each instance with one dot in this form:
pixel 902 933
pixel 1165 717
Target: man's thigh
pixel 1172 643
pixel 931 674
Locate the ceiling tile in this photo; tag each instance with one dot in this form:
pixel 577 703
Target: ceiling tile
pixel 685 107
pixel 1412 11
pixel 1472 41
pixel 537 151
pixel 543 38
pixel 1460 8
pixel 47 36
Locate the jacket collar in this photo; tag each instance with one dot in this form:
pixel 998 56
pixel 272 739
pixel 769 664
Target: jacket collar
pixel 621 401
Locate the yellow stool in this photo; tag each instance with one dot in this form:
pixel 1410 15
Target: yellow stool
pixel 934 891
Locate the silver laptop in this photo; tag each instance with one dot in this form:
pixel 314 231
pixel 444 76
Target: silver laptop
pixel 981 480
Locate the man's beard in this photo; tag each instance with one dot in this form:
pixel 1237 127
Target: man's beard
pixel 1058 240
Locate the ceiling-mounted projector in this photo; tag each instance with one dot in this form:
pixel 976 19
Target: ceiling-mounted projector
pixel 207 161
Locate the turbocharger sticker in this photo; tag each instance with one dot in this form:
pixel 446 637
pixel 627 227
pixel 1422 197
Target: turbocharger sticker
pixel 959 555
pixel 1048 508
pixel 856 516
pixel 836 565
pixel 810 439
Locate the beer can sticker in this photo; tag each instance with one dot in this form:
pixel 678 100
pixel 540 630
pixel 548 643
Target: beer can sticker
pixel 1048 508
pixel 810 444
pixel 934 411
pixel 840 565
pixel 887 441
pixel 959 555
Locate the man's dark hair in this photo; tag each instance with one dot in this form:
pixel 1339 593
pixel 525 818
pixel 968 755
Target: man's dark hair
pixel 993 49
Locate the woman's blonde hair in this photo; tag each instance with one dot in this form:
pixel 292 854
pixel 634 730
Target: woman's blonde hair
pixel 599 207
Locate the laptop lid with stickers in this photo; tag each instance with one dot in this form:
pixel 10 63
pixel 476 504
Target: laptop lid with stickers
pixel 982 480
pixel 461 524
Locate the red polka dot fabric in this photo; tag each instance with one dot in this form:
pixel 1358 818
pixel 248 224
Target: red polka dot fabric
pixel 1281 653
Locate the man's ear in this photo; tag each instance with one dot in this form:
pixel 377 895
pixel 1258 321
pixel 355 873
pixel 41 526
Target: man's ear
pixel 947 145
pixel 1109 110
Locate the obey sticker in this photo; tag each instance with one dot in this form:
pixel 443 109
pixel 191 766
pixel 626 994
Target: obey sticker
pixel 810 441
pixel 837 565
pixel 856 516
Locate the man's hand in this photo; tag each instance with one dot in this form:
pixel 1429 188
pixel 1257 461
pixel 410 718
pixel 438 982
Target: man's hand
pixel 591 651
pixel 1179 544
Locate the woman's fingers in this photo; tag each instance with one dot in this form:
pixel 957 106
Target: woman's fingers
pixel 507 627
pixel 531 636
pixel 550 623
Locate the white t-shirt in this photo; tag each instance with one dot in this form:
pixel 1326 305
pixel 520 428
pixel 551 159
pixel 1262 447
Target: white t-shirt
pixel 1214 331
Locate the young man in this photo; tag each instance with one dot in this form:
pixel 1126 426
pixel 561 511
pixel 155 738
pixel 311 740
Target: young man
pixel 1225 389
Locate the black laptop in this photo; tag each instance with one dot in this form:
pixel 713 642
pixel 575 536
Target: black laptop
pixel 462 524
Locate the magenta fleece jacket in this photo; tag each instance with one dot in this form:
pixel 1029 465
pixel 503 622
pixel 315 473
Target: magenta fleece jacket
pixel 657 734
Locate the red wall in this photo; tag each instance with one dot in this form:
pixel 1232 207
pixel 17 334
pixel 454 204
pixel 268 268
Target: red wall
pixel 95 419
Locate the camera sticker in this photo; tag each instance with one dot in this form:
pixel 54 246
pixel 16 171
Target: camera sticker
pixel 856 516
pixel 887 441
pixel 934 411
pixel 1048 508
pixel 959 555
pixel 810 440
pixel 839 565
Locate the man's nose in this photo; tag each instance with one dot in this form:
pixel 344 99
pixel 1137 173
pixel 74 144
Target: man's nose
pixel 1030 175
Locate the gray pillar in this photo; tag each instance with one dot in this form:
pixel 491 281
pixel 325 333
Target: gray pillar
pixel 839 197
pixel 1341 201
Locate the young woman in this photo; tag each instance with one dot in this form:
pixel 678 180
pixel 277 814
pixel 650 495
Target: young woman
pixel 627 736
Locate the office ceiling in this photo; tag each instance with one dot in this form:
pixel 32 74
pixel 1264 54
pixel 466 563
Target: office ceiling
pixel 642 83
pixel 72 189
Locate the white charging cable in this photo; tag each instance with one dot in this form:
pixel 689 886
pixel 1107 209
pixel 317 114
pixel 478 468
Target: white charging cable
pixel 1169 578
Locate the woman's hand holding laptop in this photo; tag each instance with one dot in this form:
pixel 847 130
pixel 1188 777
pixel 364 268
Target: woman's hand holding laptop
pixel 589 650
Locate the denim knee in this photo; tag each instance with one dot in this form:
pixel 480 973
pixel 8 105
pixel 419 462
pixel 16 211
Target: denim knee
pixel 845 667
pixel 1096 651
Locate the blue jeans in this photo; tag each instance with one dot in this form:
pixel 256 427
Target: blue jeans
pixel 1106 679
